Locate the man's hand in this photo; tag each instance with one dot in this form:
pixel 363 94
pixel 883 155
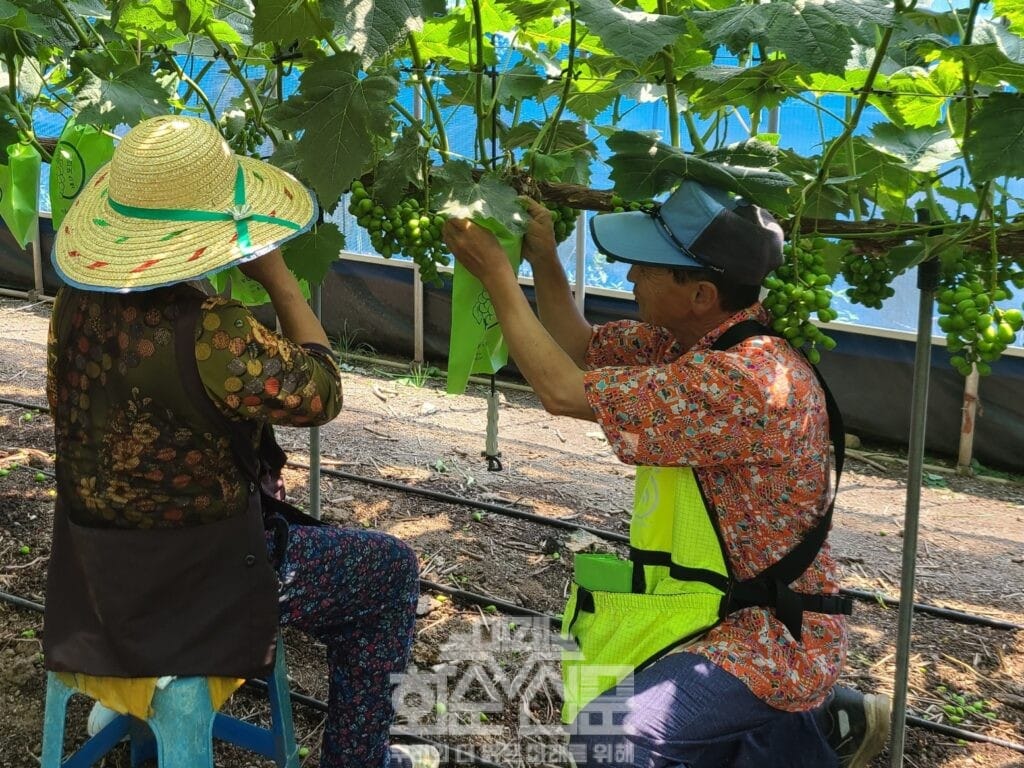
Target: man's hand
pixel 477 249
pixel 539 244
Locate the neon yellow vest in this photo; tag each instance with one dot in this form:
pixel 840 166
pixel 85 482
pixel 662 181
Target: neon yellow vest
pixel 676 596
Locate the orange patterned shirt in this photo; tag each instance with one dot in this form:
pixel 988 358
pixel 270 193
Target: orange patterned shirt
pixel 751 421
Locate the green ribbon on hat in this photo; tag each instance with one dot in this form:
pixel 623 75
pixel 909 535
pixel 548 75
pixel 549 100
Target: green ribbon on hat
pixel 240 213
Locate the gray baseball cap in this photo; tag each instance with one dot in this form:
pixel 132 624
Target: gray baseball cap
pixel 697 227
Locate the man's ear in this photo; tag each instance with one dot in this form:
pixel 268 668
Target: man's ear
pixel 705 297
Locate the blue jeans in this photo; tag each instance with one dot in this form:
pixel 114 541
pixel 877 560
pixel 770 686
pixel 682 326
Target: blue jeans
pixel 684 712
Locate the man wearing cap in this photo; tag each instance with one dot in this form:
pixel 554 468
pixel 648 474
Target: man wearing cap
pixel 720 640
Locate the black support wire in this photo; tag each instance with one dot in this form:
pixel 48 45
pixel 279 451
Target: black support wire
pixel 514 610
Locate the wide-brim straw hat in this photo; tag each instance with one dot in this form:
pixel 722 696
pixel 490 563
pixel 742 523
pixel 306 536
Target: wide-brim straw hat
pixel 175 204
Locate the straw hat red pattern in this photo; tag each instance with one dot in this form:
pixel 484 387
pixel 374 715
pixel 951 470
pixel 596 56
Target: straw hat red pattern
pixel 174 204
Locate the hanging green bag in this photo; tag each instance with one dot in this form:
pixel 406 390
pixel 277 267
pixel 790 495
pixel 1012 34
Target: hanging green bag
pixel 81 151
pixel 477 344
pixel 19 191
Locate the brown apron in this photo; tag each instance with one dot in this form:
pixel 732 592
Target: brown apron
pixel 199 600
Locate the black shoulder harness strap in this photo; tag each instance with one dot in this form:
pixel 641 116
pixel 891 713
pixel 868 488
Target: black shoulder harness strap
pixel 770 588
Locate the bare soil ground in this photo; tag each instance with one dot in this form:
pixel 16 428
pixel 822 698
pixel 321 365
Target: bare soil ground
pixel 400 426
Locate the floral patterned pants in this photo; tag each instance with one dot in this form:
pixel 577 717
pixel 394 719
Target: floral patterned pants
pixel 356 592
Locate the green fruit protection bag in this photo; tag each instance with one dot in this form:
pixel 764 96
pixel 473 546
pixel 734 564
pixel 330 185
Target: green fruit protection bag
pixel 477 344
pixel 81 151
pixel 19 191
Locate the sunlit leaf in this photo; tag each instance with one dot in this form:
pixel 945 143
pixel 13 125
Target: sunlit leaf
pixel 287 20
pixel 1012 11
pixel 633 35
pixel 458 194
pixel 923 150
pixel 374 27
pixel 338 113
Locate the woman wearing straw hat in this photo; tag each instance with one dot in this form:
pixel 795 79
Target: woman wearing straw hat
pixel 168 503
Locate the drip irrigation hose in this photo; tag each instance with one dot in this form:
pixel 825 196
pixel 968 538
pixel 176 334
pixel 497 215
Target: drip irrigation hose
pixel 21 602
pixel 960 617
pixel 868 597
pixel 309 701
pixel 449 498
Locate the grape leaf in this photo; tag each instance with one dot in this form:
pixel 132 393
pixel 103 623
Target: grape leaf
pixel 519 83
pixel 16 18
pixel 287 20
pixel 924 150
pixel 816 35
pixel 151 21
pixel 339 114
pixel 760 87
pixel 128 97
pixel 995 144
pixel 918 96
pixel 1012 10
pixel 749 154
pixel 643 167
pixel 310 255
pixel 374 27
pixel 458 194
pixel 244 289
pixel 444 39
pixel 526 11
pixel 633 35
pixel 403 168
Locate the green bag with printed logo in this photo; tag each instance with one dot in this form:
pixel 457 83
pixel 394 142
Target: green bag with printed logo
pixel 477 344
pixel 81 151
pixel 19 191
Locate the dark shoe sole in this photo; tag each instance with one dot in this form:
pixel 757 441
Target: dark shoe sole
pixel 877 714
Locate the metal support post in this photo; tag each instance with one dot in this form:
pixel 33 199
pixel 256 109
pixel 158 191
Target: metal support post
pixel 316 300
pixel 927 283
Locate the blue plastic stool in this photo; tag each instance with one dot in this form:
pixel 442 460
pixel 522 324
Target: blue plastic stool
pixel 181 731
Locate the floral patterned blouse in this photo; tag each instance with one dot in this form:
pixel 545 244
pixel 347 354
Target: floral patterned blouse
pixel 134 450
pixel 751 421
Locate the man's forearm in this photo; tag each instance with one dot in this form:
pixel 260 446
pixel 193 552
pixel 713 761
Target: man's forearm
pixel 558 311
pixel 554 375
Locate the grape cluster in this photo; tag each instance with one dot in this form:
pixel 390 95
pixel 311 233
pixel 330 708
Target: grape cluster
pixel 620 204
pixel 243 135
pixel 869 279
pixel 407 228
pixel 976 330
pixel 564 219
pixel 798 290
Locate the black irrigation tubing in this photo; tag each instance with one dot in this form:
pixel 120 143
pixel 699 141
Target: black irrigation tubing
pixel 449 498
pixel 869 597
pixel 28 406
pixel 509 609
pixel 456 754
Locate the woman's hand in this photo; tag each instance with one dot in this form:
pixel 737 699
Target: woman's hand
pixel 269 270
pixel 477 249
